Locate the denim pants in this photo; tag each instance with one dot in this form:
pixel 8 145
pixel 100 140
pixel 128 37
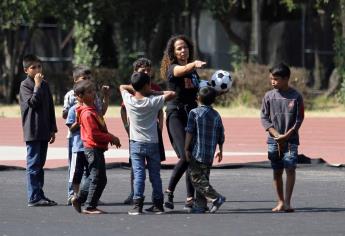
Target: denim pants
pixel 97 177
pixel 35 160
pixel 150 152
pixel 69 183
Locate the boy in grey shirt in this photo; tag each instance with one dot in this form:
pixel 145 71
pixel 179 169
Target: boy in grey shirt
pixel 142 109
pixel 282 113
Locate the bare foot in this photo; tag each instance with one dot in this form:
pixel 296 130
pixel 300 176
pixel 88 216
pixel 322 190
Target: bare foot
pixel 93 211
pixel 279 207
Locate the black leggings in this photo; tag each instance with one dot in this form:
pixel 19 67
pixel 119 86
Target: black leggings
pixel 176 123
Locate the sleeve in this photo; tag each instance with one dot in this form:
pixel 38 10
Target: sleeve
pixel 71 117
pixel 125 97
pixel 191 125
pixel 157 102
pixel 221 136
pixel 66 102
pixel 170 72
pixel 92 129
pixel 31 98
pixel 53 126
pixel 300 113
pixel 265 113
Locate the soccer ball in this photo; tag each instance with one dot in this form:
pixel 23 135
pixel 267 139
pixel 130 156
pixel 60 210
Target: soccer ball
pixel 221 80
pixel 204 83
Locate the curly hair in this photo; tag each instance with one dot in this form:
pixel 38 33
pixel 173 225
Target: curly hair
pixel 169 53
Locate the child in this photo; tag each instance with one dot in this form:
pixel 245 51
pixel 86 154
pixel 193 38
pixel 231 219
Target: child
pixel 203 132
pixel 81 72
pixel 143 65
pixel 95 138
pixel 78 164
pixel 39 127
pixel 142 109
pixel 282 114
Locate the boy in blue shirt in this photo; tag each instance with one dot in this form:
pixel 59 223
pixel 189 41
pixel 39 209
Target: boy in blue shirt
pixel 203 132
pixel 282 114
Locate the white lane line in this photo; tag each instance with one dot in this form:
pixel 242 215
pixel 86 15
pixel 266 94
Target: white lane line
pixel 15 153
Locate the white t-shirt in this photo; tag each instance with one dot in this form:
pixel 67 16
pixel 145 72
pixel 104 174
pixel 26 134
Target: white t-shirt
pixel 142 114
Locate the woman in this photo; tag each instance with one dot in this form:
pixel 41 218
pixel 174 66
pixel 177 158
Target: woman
pixel 179 69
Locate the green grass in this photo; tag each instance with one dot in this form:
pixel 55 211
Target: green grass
pixel 321 110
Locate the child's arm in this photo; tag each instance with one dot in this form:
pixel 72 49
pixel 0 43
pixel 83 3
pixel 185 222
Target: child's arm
pixel 124 119
pixel 115 141
pixel 127 87
pixel 161 119
pixel 73 127
pixel 219 154
pixel 187 143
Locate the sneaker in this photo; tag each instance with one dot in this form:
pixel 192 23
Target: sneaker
pixel 198 210
pixel 189 205
pixel 155 210
pixel 51 202
pixel 93 211
pixel 217 203
pixel 170 202
pixel 137 210
pixel 42 202
pixel 69 201
pixel 129 199
pixel 76 204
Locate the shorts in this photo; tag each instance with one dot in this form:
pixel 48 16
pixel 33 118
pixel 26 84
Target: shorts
pixel 287 159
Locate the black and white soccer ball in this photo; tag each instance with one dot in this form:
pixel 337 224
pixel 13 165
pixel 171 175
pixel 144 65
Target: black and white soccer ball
pixel 221 81
pixel 204 83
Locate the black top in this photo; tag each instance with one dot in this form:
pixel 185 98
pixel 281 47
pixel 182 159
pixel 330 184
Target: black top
pixel 37 110
pixel 185 87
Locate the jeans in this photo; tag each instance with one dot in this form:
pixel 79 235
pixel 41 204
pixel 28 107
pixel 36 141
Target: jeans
pixel 97 177
pixel 150 152
pixel 176 123
pixel 286 159
pixel 35 160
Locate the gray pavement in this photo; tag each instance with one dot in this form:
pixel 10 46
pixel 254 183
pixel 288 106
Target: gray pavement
pixel 318 199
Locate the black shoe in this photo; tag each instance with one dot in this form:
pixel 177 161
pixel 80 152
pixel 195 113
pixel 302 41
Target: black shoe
pixel 217 203
pixel 42 202
pixel 138 207
pixel 155 210
pixel 51 202
pixel 170 202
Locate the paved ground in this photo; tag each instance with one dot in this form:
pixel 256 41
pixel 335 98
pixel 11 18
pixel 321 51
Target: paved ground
pixel 318 199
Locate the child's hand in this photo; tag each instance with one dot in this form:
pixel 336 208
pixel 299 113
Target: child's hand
pixel 105 90
pixel 115 141
pixel 38 79
pixel 219 156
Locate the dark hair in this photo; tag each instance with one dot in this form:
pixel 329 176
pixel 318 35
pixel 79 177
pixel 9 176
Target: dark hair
pixel 207 95
pixel 141 62
pixel 29 59
pixel 280 70
pixel 169 53
pixel 139 80
pixel 82 86
pixel 80 70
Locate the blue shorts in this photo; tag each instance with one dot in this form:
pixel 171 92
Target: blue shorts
pixel 287 160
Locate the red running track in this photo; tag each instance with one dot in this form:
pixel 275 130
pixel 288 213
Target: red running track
pixel 320 138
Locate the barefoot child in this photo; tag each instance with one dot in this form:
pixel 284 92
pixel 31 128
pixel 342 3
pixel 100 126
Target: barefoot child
pixel 282 114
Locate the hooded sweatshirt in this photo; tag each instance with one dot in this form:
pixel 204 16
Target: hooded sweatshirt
pixel 93 129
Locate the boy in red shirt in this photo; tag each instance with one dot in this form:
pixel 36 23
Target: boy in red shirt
pixel 95 138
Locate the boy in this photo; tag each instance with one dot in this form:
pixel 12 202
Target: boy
pixel 81 72
pixel 142 109
pixel 143 65
pixel 39 127
pixel 78 164
pixel 96 137
pixel 282 114
pixel 203 132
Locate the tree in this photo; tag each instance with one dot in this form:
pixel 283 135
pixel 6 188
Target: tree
pixel 18 21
